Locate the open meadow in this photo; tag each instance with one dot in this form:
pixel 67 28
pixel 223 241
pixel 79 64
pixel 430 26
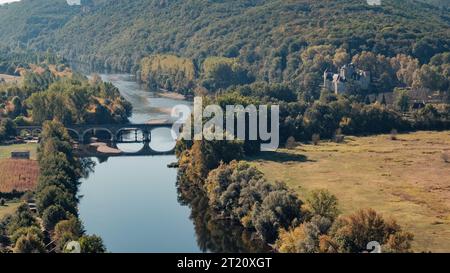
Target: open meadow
pixel 5 150
pixel 8 209
pixel 406 179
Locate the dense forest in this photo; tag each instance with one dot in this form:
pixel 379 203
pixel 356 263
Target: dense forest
pixel 266 35
pixel 53 92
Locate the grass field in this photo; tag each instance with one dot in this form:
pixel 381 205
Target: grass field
pixel 405 178
pixel 5 151
pixel 9 208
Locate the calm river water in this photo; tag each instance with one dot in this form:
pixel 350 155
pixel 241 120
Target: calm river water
pixel 131 202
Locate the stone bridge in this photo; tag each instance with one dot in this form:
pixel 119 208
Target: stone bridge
pixel 114 130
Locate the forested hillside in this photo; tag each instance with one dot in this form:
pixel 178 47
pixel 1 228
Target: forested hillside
pixel 266 35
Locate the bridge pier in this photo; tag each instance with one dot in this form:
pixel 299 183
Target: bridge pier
pixel 147 136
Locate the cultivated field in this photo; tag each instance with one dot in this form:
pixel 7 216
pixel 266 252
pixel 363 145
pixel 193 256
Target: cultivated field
pixel 405 178
pixel 18 174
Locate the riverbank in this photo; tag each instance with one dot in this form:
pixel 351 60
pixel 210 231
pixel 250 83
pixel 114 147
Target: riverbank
pixel 171 95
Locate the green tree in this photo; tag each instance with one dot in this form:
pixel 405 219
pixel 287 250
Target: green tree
pixel 92 244
pixel 22 218
pixel 29 243
pixel 323 203
pixel 52 215
pixel 7 129
pixel 402 100
pixel 54 195
pixel 24 231
pixel 279 209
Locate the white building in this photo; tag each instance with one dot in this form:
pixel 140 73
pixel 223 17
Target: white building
pixel 338 83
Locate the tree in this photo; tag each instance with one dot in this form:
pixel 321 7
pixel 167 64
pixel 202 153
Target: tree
pixel 234 188
pixel 92 244
pixel 323 203
pixel 341 57
pixel 304 238
pixel 66 231
pixel 402 100
pixel 54 195
pixel 220 73
pixel 353 233
pixel 17 107
pixel 383 100
pixel 207 155
pixel 279 209
pixel 405 66
pixel 52 215
pixel 429 77
pixel 29 243
pixel 21 218
pixel 72 226
pixel 24 231
pixel 7 129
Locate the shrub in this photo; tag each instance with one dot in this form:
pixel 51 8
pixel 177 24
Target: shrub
pixel 290 143
pixel 445 156
pixel 394 134
pixel 315 139
pixel 92 244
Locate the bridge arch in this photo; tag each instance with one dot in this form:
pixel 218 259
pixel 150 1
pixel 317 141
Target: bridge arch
pixel 25 132
pixel 74 134
pixel 36 132
pixel 97 129
pixel 145 135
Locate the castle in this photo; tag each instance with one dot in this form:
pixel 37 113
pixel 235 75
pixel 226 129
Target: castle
pixel 337 83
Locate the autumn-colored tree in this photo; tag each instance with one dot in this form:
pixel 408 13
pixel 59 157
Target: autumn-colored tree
pixel 29 243
pixel 352 233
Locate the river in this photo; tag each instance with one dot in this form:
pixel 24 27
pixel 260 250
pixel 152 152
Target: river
pixel 131 202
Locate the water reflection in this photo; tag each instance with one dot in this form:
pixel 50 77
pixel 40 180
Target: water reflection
pixel 213 234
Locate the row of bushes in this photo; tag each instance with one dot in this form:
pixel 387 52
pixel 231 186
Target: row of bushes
pixel 56 201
